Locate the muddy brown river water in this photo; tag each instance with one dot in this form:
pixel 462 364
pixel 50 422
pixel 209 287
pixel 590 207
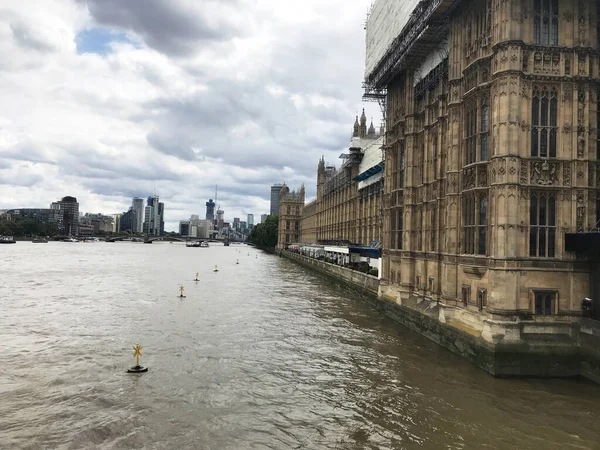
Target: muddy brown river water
pixel 261 355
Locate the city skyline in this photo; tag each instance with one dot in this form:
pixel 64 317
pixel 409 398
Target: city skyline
pixel 139 116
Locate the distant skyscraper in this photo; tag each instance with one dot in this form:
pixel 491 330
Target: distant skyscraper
pixel 210 210
pixel 138 207
pixel 69 215
pixel 250 221
pixel 154 222
pixel 128 221
pixel 263 218
pixel 275 193
pixel 184 227
pixel 220 221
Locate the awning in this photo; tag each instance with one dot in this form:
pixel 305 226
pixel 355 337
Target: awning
pixel 367 252
pixel 369 172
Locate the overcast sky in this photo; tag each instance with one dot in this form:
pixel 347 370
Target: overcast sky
pixel 109 99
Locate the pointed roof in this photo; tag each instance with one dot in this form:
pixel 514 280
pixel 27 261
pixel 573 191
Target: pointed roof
pixel 371 131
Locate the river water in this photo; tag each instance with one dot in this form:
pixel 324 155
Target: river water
pixel 261 355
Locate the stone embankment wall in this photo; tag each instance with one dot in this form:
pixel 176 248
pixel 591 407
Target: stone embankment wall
pixel 576 352
pixel 367 283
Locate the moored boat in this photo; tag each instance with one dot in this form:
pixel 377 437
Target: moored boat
pixel 7 240
pixel 204 244
pixel 39 240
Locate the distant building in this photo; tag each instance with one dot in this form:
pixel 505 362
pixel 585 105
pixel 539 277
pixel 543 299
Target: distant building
pixel 275 192
pixel 220 221
pixel 250 221
pixel 210 210
pixel 43 215
pixel 184 227
pixel 290 216
pixel 138 207
pixel 263 218
pixel 154 223
pixel 116 222
pixel 100 223
pixel 128 221
pixel 236 223
pixel 69 215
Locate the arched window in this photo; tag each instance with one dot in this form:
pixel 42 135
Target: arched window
pixel 475 225
pixel 485 113
pixel 544 123
pixel 545 22
pixel 542 225
pixel 482 226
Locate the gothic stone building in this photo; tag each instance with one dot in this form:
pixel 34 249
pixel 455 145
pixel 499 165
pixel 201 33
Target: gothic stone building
pixel 348 204
pixel 491 158
pixel 291 204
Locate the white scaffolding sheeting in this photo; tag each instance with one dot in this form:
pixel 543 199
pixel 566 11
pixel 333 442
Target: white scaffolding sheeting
pixel 385 22
pixel 431 61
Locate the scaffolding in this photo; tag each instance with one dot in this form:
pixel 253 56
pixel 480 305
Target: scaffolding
pixel 422 34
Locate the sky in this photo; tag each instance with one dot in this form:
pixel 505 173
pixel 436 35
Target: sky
pixel 105 100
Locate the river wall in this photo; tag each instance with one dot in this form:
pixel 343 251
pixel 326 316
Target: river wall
pixel 573 352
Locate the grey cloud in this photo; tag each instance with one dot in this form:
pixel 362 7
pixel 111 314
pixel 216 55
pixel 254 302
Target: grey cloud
pixel 20 178
pixel 173 27
pixel 27 150
pixel 25 37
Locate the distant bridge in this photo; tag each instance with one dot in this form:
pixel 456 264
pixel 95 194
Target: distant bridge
pixel 166 239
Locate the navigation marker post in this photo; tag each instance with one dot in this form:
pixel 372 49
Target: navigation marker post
pixel 196 277
pixel 137 352
pixel 181 292
pixel 216 268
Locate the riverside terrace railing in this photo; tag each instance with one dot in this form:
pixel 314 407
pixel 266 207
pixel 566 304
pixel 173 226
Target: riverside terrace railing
pixel 417 39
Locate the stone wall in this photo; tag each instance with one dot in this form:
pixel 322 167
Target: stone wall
pixel 356 279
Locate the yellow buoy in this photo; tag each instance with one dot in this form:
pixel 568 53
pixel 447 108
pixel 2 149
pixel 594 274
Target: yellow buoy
pixel 137 352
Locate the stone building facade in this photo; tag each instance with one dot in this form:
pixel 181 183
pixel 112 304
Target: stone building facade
pixel 291 205
pixel 491 158
pixel 348 203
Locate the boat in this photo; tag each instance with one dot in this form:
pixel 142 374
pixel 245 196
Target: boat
pixel 39 240
pixel 7 240
pixel 70 239
pixel 204 244
pixel 192 244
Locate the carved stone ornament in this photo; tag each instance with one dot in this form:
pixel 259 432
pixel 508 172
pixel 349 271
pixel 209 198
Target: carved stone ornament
pixel 580 175
pixel 543 173
pixel 523 176
pixel 580 198
pixel 512 170
pixel 580 218
pixel 566 175
pixel 482 176
pixel 469 178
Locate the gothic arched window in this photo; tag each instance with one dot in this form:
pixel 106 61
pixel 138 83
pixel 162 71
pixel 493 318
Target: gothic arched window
pixel 544 112
pixel 542 225
pixel 545 22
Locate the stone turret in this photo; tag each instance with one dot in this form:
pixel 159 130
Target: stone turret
pixel 371 131
pixel 356 128
pixel 363 125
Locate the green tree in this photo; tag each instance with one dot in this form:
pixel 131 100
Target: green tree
pixel 264 235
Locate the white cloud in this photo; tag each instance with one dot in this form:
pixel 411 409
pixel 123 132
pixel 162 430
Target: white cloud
pixel 241 94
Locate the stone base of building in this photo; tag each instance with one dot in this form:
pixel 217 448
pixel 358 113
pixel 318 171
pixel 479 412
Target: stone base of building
pixel 503 348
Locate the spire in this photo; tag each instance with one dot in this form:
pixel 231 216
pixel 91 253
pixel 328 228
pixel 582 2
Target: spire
pixel 355 134
pixel 371 129
pixel 363 125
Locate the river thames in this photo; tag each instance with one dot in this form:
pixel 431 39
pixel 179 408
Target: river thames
pixel 261 355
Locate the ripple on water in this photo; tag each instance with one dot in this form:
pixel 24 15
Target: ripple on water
pixel 260 355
